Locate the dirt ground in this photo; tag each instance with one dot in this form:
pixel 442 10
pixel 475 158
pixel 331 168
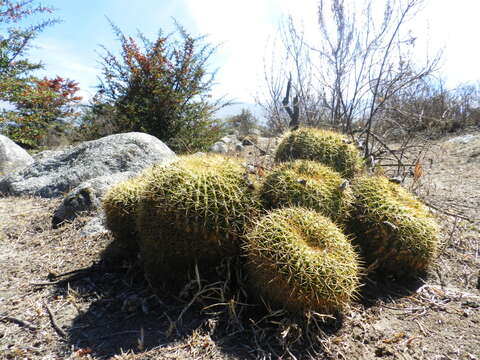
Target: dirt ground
pixel 61 297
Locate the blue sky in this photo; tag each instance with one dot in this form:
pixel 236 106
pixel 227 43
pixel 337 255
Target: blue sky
pixel 243 27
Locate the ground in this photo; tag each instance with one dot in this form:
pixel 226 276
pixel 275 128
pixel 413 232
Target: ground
pixel 62 297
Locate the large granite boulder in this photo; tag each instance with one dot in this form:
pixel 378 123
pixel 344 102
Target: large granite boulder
pixel 12 156
pixel 54 176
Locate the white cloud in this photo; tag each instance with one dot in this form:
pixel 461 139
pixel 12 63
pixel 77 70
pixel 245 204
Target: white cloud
pixel 243 29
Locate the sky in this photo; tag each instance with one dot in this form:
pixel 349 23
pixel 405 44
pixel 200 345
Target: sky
pixel 244 29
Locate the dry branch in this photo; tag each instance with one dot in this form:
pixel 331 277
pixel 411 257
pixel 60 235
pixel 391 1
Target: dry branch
pixel 53 320
pixel 19 322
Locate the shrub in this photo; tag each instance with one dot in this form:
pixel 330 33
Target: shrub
pixel 162 87
pixel 36 105
pixel 40 107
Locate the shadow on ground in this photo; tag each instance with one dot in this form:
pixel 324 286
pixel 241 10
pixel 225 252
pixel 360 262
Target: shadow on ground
pixel 379 289
pixel 121 314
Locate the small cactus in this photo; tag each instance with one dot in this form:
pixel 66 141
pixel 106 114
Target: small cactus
pixel 308 184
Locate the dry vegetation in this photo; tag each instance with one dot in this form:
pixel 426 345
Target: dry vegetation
pixel 61 298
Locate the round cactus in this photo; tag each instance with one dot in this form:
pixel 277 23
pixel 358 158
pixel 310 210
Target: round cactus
pixel 299 259
pixel 120 207
pixel 327 147
pixel 194 215
pixel 395 232
pixel 308 184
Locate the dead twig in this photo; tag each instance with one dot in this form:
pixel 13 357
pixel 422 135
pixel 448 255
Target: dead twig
pixel 445 212
pixel 23 323
pixel 53 320
pixel 87 270
pixel 77 274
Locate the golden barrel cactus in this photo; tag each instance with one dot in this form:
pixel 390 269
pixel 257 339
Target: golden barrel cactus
pixel 327 147
pixel 395 232
pixel 300 260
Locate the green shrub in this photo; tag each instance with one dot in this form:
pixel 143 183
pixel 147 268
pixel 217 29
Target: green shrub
pixel 160 87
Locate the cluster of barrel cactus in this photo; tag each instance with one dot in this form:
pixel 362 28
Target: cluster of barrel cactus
pixel 306 228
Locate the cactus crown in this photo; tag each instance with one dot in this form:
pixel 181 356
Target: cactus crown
pixel 327 147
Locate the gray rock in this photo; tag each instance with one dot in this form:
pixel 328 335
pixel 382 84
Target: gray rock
pixel 12 156
pixel 239 147
pixel 55 175
pixel 94 227
pixel 219 147
pixel 86 197
pixel 247 142
pixel 465 139
pixel 46 154
pixel 229 139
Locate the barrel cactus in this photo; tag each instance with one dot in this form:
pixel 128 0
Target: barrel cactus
pixel 120 205
pixel 309 184
pixel 327 147
pixel 195 215
pixel 300 260
pixel 395 232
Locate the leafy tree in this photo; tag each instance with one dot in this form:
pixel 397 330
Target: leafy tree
pixel 14 40
pixel 38 103
pixel 162 87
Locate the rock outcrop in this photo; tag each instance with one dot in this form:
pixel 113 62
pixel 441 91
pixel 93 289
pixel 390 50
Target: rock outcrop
pixel 53 176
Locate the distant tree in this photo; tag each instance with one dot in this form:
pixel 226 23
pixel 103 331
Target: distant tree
pixel 15 41
pixel 163 88
pixel 360 59
pixel 243 122
pixel 430 107
pixel 367 59
pixel 292 90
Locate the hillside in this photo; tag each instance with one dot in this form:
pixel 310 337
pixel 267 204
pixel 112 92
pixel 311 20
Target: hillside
pixel 62 297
